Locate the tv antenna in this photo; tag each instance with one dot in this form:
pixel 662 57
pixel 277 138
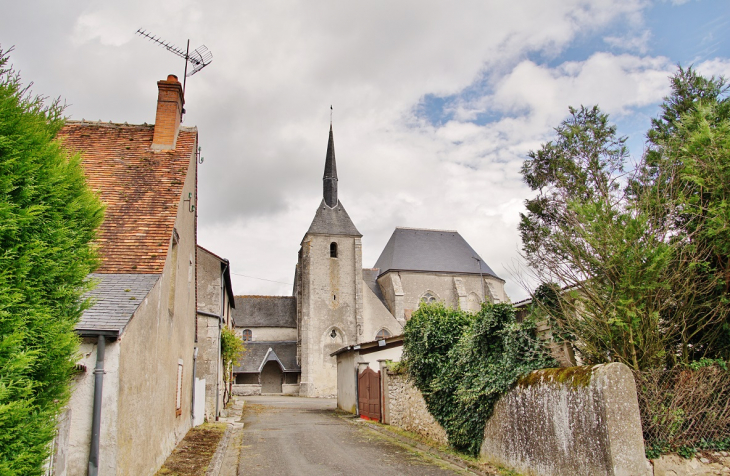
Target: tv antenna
pixel 198 59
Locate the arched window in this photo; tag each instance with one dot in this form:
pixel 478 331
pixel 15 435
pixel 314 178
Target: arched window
pixel 429 298
pixel 246 335
pixel 333 250
pixel 383 334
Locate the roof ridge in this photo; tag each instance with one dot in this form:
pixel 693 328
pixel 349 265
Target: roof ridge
pixel 85 122
pixel 261 296
pixel 424 229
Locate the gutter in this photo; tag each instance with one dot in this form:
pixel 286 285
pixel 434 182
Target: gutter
pixel 210 314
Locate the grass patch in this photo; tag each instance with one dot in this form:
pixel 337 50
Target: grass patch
pixel 194 453
pixel 472 461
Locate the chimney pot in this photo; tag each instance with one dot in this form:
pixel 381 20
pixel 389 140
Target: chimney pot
pixel 172 77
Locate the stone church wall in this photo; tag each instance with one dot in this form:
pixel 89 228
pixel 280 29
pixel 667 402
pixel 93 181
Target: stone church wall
pixel 331 308
pixel 269 334
pixel 377 317
pixel 454 290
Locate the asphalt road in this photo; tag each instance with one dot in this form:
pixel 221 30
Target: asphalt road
pixel 303 436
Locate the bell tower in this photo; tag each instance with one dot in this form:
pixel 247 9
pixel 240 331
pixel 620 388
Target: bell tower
pixel 328 287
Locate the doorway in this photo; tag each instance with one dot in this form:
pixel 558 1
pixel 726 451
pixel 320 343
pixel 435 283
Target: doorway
pixel 271 377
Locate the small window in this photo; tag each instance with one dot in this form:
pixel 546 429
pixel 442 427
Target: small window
pixel 333 250
pixel 247 335
pixel 382 334
pixel 333 334
pixel 429 298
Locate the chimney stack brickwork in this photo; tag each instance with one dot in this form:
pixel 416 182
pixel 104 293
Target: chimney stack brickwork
pixel 169 112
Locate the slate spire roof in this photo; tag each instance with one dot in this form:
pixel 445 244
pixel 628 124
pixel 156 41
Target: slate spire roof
pixel 331 217
pixel 329 181
pixel 445 251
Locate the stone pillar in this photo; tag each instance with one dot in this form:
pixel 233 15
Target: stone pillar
pixel 384 393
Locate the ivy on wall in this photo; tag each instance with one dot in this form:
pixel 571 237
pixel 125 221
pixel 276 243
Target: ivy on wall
pixel 463 362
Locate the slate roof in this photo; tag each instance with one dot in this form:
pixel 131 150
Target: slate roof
pixel 444 251
pixel 332 221
pixel 252 359
pixel 141 190
pixel 116 297
pixel 265 311
pixel 370 278
pixel 329 180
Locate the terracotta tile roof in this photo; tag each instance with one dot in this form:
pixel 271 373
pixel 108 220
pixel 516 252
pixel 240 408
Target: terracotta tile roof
pixel 141 190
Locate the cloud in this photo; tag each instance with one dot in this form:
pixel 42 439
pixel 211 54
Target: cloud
pixel 635 43
pixel 262 107
pixel 715 67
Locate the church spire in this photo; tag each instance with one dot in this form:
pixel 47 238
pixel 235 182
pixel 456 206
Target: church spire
pixel 330 173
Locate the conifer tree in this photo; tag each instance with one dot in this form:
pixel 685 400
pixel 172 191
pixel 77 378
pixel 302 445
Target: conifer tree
pixel 48 218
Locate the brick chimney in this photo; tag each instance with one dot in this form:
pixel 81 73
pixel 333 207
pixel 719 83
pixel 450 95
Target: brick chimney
pixel 170 102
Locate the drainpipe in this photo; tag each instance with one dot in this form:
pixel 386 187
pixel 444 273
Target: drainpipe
pixel 218 372
pixel 192 403
pixel 96 418
pixel 481 278
pixel 357 392
pixel 220 326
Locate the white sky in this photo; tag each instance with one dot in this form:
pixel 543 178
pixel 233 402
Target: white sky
pixel 435 103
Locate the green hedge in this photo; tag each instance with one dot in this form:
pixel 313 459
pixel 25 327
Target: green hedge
pixel 462 363
pixel 48 220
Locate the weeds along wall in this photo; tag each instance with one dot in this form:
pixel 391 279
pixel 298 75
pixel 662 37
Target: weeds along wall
pixel 684 410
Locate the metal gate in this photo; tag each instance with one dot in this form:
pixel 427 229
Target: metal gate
pixel 369 394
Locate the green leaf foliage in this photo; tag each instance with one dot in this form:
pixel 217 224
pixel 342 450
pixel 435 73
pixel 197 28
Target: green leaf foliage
pixel 689 168
pixel 462 363
pixel 48 218
pixel 643 259
pixel 231 348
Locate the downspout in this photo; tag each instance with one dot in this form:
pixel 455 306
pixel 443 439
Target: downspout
pixel 220 325
pixel 192 403
pixel 357 392
pixel 96 416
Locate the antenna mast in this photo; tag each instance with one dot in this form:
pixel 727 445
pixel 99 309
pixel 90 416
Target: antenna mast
pixel 199 58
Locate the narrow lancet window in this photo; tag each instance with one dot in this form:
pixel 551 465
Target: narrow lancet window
pixel 333 250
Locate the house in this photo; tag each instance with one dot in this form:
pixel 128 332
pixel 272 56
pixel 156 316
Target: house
pixel 215 301
pixel 131 400
pixel 337 303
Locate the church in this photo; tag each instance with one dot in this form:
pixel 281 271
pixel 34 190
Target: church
pixel 336 302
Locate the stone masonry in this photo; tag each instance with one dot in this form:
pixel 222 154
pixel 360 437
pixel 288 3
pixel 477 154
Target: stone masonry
pixel 408 410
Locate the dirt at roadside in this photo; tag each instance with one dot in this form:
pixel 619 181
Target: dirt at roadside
pixel 195 452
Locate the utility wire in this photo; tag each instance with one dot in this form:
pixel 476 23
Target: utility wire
pixel 262 279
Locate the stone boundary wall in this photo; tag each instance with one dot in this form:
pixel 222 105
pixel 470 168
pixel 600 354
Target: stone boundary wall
pixel 245 389
pixel 577 420
pixel 407 410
